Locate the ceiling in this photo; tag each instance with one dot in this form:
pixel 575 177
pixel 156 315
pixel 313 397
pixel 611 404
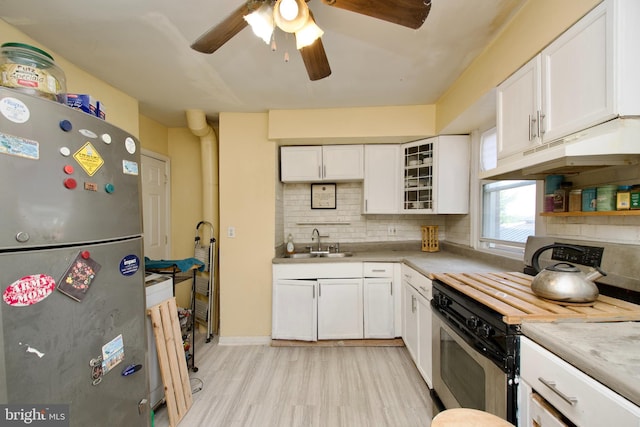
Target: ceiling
pixel 142 48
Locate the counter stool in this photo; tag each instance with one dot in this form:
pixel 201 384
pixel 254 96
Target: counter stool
pixel 465 417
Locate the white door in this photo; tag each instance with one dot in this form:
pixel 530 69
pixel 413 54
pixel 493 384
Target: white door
pixel 155 212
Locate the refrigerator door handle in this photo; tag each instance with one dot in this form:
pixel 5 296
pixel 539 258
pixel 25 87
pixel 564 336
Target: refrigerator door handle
pixel 143 406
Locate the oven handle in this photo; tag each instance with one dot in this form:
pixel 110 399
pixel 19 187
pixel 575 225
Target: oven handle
pixel 552 385
pixel 485 349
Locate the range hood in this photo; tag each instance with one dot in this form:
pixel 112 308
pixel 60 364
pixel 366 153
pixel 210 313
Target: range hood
pixel 613 143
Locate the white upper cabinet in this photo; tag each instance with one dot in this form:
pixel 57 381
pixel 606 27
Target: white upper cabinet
pixel 382 178
pixel 322 163
pixel 587 76
pixel 436 175
pixel 519 100
pixel 577 79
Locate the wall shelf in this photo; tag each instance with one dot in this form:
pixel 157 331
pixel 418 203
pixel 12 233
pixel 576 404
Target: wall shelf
pixel 597 213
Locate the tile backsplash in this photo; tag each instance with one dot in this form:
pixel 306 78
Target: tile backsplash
pixel 346 223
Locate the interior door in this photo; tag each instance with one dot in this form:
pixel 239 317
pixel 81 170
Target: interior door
pixel 155 207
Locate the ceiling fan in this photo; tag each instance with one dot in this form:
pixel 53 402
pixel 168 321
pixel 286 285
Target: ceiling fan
pixel 293 15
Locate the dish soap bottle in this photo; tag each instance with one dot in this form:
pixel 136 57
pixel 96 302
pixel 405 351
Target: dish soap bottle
pixel 290 247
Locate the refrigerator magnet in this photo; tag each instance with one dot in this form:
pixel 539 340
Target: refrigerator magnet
pixel 29 290
pixel 112 353
pixel 129 265
pixel 76 280
pixel 14 110
pixel 129 167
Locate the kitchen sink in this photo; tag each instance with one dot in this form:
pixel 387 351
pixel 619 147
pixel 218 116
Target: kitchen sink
pixel 337 255
pixel 303 255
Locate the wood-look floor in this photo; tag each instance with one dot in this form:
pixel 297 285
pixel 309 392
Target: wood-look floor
pixel 305 386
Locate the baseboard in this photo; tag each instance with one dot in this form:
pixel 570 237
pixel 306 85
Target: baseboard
pixel 244 340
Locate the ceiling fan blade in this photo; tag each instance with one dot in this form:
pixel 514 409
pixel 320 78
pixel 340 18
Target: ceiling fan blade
pixel 408 13
pixel 315 60
pixel 217 36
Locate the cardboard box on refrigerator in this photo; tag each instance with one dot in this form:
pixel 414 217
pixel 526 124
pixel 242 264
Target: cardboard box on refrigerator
pixel 86 103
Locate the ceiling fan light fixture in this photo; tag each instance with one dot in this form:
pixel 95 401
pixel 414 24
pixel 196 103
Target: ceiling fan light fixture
pixel 289 9
pixel 308 34
pixel 283 9
pixel 261 22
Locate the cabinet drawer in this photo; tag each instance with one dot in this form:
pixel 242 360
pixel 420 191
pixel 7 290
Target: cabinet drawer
pixel 378 269
pixel 576 395
pixel 417 280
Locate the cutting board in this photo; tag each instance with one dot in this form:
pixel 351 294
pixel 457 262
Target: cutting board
pixel 510 295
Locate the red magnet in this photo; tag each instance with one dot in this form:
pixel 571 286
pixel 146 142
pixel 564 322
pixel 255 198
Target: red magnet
pixel 68 169
pixel 85 254
pixel 70 183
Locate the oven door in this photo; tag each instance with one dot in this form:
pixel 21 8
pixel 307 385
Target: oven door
pixel 463 377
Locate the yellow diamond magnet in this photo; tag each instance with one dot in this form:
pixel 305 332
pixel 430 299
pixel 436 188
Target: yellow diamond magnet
pixel 88 158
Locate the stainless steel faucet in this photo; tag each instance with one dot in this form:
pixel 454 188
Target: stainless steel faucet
pixel 316 232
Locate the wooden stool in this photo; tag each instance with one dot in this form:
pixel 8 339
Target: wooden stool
pixel 464 417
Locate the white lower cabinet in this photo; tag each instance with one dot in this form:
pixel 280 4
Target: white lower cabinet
pixel 380 287
pixel 378 308
pixel 417 319
pixel 410 319
pixel 425 345
pixel 550 386
pixel 295 310
pixel 351 300
pixel 340 309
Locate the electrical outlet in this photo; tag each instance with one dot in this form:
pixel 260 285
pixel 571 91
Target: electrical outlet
pixel 231 232
pixel 391 230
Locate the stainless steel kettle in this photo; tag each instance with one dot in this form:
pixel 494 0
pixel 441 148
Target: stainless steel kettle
pixel 564 282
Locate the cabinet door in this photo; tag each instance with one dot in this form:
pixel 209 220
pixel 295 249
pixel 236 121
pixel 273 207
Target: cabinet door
pixel 340 313
pixel 295 310
pixel 382 179
pixel 300 164
pixel 451 174
pixel 518 103
pixel 418 158
pixel 577 76
pixel 343 162
pixel 410 319
pixel 378 308
pixel 424 340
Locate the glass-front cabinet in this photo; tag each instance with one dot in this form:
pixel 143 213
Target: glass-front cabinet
pixel 436 175
pixel 418 176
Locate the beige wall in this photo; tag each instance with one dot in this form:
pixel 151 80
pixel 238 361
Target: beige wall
pixel 372 124
pixel 247 202
pixel 186 190
pixel 122 110
pixel 154 136
pixel 534 27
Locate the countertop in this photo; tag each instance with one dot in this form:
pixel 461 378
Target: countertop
pixel 607 352
pixel 451 259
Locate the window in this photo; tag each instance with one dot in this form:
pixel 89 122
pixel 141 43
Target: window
pixel 508 213
pixel 507 209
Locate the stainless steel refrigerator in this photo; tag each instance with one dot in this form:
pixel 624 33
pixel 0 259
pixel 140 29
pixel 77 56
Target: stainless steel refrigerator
pixel 72 318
